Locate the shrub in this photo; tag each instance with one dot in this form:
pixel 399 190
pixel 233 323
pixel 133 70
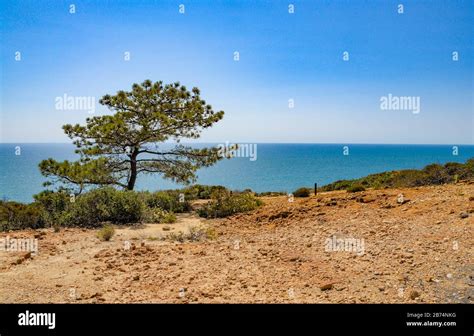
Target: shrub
pixel 15 216
pixel 104 204
pixel 167 200
pixel 199 191
pixel 194 234
pixel 126 207
pixel 106 233
pixel 53 201
pixel 225 204
pixel 302 192
pixel 169 218
pixel 54 205
pixel 158 215
pixel 433 174
pixel 356 188
pixel 271 193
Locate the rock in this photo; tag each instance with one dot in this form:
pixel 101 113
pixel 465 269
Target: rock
pixel 136 278
pixel 463 214
pixel 326 286
pixel 366 199
pixel 166 228
pixel 401 199
pixel 282 214
pixel 414 294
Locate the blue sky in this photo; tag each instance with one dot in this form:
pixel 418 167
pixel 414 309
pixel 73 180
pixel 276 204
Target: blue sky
pixel 282 56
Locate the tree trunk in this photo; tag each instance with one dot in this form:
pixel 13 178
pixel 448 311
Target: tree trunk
pixel 133 171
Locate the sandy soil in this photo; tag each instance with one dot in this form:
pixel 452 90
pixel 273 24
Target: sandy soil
pixel 415 249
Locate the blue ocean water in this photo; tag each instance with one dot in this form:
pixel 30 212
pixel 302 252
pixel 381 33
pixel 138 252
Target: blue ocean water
pixel 278 167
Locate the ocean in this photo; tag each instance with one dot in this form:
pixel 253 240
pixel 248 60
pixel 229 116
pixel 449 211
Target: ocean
pixel 273 167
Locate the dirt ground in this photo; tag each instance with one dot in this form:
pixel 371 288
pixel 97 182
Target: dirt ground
pixel 373 246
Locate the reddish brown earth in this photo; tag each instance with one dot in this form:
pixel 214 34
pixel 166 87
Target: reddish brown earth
pixel 418 251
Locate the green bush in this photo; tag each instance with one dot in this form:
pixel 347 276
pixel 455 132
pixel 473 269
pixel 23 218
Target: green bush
pixel 106 233
pixel 16 216
pixel 54 205
pixel 169 218
pixel 169 200
pixel 104 204
pixel 271 193
pixel 199 191
pixel 158 215
pixel 53 201
pixel 433 174
pixel 225 203
pixel 356 188
pixel 302 192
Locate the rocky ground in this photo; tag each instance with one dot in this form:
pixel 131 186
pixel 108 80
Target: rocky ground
pixel 415 248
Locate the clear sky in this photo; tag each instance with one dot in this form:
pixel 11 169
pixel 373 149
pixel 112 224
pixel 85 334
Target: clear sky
pixel 283 56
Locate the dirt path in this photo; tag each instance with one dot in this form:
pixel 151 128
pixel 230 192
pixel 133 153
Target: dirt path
pixel 417 250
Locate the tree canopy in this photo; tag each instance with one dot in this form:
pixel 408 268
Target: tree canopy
pixel 114 149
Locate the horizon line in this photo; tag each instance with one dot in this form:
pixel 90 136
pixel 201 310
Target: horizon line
pixel 268 143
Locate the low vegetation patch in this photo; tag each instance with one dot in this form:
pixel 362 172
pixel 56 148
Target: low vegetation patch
pixel 433 174
pixel 106 233
pixel 302 192
pixel 194 234
pixel 271 194
pixel 199 191
pixel 225 203
pixel 119 207
pixel 16 216
pixel 169 200
pixel 355 188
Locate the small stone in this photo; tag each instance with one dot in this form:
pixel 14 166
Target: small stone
pixel 166 228
pixel 414 294
pixel 326 286
pixel 463 214
pixel 136 278
pixel 401 199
